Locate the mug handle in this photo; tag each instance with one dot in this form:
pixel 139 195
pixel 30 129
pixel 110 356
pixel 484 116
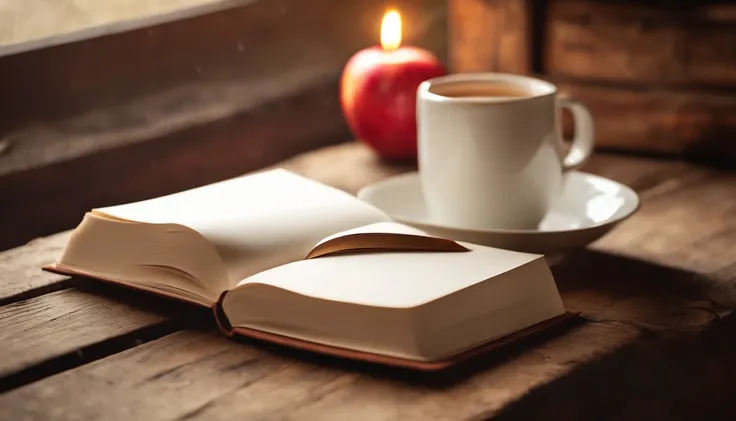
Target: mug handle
pixel 582 143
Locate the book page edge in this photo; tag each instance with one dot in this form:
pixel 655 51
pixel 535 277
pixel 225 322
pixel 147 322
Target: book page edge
pixel 61 269
pixel 418 365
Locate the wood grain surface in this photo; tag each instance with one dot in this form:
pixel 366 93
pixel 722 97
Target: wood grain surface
pixel 657 76
pixel 19 268
pixel 656 296
pixel 689 124
pixel 215 379
pixel 490 36
pixel 38 330
pixel 643 43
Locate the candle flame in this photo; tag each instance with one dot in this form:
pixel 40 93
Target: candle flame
pixel 391 30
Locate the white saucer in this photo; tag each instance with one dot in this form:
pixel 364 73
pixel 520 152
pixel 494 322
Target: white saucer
pixel 589 207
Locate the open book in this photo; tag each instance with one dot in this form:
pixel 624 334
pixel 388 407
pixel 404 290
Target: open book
pixel 284 258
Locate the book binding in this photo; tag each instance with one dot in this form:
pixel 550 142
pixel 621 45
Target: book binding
pixel 229 331
pixel 221 318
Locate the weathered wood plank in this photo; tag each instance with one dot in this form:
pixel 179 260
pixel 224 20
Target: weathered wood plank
pixel 191 375
pixel 211 378
pixel 688 377
pixel 484 394
pixel 687 227
pixel 490 36
pixel 668 267
pixel 198 365
pixel 688 124
pixel 643 43
pixel 37 332
pixel 200 376
pixel 20 268
pixel 656 268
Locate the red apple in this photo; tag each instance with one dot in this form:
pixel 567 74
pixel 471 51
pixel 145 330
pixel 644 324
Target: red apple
pixel 378 97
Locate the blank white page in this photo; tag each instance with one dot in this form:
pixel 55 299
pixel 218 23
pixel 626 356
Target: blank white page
pixel 258 221
pixel 392 279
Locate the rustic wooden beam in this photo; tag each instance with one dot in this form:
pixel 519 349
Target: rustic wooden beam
pixel 211 378
pixel 490 35
pixel 655 74
pixel 44 333
pixel 26 29
pixel 255 39
pixel 20 274
pixel 53 197
pixel 685 123
pixel 643 43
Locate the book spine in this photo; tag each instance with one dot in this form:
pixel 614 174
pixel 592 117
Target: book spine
pixel 221 318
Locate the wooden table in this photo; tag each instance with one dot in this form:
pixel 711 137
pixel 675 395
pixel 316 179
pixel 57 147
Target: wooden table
pixel 658 341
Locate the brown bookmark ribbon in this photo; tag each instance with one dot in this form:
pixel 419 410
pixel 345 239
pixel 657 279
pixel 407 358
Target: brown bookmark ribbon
pixel 383 242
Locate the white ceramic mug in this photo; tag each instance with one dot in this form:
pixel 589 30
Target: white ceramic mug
pixel 489 161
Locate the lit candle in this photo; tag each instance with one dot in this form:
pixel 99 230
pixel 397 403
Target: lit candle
pixel 378 91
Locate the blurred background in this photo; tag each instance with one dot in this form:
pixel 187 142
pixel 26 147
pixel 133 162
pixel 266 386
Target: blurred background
pixel 106 102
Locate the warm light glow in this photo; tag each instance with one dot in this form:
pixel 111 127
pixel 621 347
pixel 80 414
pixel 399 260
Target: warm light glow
pixel 391 30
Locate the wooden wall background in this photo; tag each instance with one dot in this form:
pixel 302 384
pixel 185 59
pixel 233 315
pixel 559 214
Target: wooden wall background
pixel 163 108
pixel 659 76
pixel 171 106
